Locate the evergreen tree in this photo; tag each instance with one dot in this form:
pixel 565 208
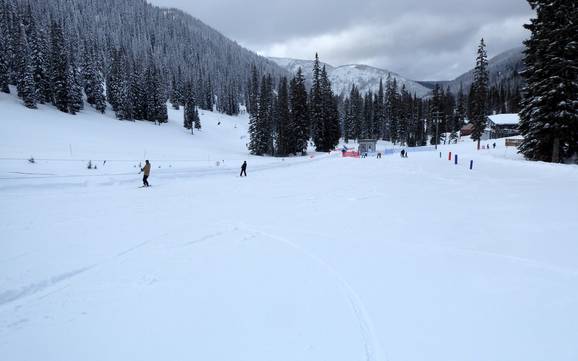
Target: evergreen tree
pixel 137 94
pixel 459 115
pixel 190 107
pixel 284 136
pixel 436 116
pixel 116 78
pixel 4 77
pixel 176 97
pixel 260 124
pixel 324 111
pixel 549 115
pixel 253 86
pixel 316 105
pixel 347 120
pixel 75 101
pixel 379 112
pixel 480 98
pixel 209 95
pixel 392 109
pixel 25 85
pixel 367 123
pixel 93 82
pixel 357 108
pixel 4 48
pixel 156 106
pixel 404 119
pixel 38 48
pixel 196 119
pixel 299 114
pixel 59 68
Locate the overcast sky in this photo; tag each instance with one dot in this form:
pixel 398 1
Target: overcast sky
pixel 420 39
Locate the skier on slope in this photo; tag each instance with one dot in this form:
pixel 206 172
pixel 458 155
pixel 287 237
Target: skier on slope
pixel 244 169
pixel 147 171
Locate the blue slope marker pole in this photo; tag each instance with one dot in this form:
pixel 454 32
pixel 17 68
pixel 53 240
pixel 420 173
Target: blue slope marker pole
pixel 455 159
pixel 471 164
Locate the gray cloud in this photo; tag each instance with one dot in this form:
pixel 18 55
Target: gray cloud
pixel 420 39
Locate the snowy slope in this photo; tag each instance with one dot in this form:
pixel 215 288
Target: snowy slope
pixel 342 77
pixel 320 258
pixel 63 144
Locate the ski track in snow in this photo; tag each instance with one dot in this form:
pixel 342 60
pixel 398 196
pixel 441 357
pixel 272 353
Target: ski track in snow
pixel 203 239
pixel 9 296
pixel 366 331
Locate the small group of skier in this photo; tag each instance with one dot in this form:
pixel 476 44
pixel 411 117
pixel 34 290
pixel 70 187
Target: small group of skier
pixel 403 153
pixel 146 170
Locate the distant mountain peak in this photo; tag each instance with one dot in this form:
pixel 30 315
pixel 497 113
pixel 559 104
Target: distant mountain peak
pixel 342 77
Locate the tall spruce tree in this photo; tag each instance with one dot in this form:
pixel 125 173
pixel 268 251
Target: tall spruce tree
pixel 4 48
pixel 190 107
pixel 392 109
pixel 324 110
pixel 38 48
pixel 25 85
pixel 59 67
pixel 74 82
pixel 479 110
pixel 367 124
pixel 115 78
pixel 261 140
pixel 299 114
pixel 379 112
pixel 93 81
pixel 316 105
pixel 549 115
pixel 284 135
pixel 156 102
pixel 253 101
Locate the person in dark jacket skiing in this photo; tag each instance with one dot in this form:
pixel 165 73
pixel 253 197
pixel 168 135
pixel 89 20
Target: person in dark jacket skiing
pixel 147 171
pixel 244 169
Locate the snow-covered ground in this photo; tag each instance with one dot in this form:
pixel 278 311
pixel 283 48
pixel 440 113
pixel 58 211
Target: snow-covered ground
pixel 320 258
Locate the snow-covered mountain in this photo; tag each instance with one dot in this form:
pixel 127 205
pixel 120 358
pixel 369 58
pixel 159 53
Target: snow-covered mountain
pixel 342 77
pixel 504 68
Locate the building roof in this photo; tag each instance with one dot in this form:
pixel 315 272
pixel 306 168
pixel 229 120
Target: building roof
pixel 505 119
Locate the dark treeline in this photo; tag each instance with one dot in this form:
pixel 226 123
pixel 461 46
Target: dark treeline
pixel 395 115
pixel 549 115
pixel 284 119
pixel 63 53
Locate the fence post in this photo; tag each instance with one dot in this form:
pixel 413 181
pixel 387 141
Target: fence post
pixel 440 154
pixel 471 164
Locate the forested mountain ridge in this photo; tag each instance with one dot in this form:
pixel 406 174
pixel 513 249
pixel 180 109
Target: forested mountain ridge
pixel 504 69
pixel 182 50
